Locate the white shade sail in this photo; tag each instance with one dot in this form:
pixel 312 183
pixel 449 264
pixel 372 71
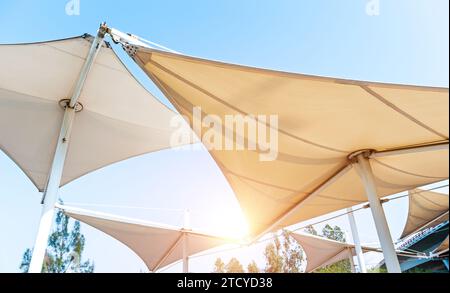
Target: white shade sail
pixel 321 121
pixel 321 252
pixel 120 118
pixel 157 245
pixel 426 209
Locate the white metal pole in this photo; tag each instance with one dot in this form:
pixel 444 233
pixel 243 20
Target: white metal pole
pixel 54 181
pixel 185 253
pixel 352 263
pixel 187 226
pixel 364 170
pixel 355 236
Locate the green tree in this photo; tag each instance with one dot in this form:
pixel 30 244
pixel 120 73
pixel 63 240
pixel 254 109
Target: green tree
pixel 416 270
pixel 64 251
pixel 283 256
pixel 292 254
pixel 234 266
pixel 343 266
pixel 274 259
pixel 253 267
pixel 333 233
pixel 378 271
pixel 219 266
pixel 310 230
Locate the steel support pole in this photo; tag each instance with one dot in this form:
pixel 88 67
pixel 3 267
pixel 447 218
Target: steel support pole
pixel 352 263
pixel 355 236
pixel 185 253
pixel 187 226
pixel 51 192
pixel 364 169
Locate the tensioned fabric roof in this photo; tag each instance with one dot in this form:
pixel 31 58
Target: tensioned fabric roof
pixel 426 209
pixel 120 118
pixel 157 245
pixel 443 248
pixel 321 122
pixel 322 252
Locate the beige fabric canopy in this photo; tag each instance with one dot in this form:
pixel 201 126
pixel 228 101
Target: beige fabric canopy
pixel 321 122
pixel 443 248
pixel 119 115
pixel 157 245
pixel 322 252
pixel 426 209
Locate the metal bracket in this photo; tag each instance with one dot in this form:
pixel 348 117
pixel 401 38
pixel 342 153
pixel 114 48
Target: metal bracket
pixel 103 30
pixel 353 157
pixel 382 201
pixel 65 103
pixel 130 49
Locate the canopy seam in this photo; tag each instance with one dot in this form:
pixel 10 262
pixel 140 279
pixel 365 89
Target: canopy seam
pixel 173 74
pixel 400 111
pixel 408 173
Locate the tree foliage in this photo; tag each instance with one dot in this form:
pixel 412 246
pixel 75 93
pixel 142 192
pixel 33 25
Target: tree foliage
pixel 252 268
pixel 64 251
pixel 219 266
pixel 341 267
pixel 274 259
pixel 333 233
pixel 377 271
pixel 234 266
pixel 310 230
pixel 283 255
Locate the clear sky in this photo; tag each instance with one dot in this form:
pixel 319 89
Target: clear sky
pixel 407 42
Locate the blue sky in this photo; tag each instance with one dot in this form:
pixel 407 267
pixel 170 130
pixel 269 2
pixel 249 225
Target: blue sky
pixel 406 43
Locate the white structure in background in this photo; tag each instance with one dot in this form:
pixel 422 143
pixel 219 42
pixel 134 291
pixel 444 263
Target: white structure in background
pixel 69 107
pixel 157 245
pixel 427 210
pixel 356 240
pixel 341 142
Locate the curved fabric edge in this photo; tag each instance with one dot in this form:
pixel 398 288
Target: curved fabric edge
pixel 296 75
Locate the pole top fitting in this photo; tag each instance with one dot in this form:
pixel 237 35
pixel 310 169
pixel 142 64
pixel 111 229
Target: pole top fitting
pixel 382 201
pixel 353 157
pixel 65 103
pixel 103 30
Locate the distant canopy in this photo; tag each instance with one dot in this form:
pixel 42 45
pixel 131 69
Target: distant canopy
pixel 157 245
pixel 426 209
pixel 118 117
pixel 321 122
pixel 321 252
